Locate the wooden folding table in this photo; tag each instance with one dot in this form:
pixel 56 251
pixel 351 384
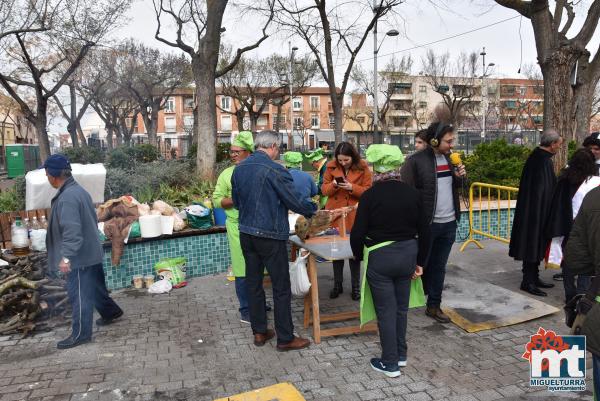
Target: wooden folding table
pixel 330 248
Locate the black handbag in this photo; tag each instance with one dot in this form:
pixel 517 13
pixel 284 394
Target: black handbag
pixel 578 307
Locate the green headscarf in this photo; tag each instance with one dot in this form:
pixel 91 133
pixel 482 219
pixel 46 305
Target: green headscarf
pixel 315 156
pixel 384 157
pixel 244 140
pixel 293 159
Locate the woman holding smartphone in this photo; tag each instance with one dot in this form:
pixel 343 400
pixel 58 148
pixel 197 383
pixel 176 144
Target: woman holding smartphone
pixel 346 177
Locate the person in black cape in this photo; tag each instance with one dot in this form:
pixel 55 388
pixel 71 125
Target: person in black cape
pixel 528 240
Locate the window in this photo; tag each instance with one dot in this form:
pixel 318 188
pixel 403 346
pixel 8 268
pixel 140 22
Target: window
pixel 314 103
pixel 360 120
pixel 331 121
pixel 226 123
pixel 259 102
pixel 170 124
pixel 423 105
pixel 522 90
pixel 170 105
pixel 128 122
pixel 314 119
pixel 298 123
pixel 262 121
pixel 492 89
pixel 443 88
pixel 297 104
pixel 226 103
pixel 422 88
pixel 188 103
pixel 282 121
pixel 188 121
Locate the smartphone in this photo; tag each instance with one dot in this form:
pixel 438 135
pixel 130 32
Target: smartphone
pixel 340 180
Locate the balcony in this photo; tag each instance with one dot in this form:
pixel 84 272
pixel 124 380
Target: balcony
pixel 399 113
pixel 401 96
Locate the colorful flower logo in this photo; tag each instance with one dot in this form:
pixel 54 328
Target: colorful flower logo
pixel 545 340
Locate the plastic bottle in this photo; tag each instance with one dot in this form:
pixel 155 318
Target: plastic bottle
pixel 27 225
pixel 43 222
pixel 19 238
pixel 34 224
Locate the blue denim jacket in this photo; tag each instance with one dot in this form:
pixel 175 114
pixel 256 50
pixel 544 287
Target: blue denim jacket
pixel 263 191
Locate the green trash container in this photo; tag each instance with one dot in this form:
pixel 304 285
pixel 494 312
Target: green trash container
pixel 21 158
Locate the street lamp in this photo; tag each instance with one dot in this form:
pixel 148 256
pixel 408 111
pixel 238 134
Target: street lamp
pixel 483 91
pixel 290 81
pixel 376 47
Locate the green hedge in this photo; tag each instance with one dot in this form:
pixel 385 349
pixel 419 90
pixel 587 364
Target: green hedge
pixel 497 163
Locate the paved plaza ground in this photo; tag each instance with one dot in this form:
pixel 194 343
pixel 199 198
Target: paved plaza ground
pixel 190 345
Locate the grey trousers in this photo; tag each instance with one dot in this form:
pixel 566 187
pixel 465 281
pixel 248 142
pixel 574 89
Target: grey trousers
pixel 389 273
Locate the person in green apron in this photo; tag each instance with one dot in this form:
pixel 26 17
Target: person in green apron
pixel 391 236
pixel 241 147
pixel 319 162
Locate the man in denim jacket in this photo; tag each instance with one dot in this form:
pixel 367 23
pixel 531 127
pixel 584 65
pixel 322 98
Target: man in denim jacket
pixel 263 191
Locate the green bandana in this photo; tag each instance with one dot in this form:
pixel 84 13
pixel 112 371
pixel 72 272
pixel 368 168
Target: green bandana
pixel 315 156
pixel 293 159
pixel 244 140
pixel 384 157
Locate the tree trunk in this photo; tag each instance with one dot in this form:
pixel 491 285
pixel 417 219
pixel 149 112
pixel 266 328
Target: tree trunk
pixel 40 121
pixel 240 120
pixel 338 116
pixel 558 99
pixel 82 139
pixel 72 130
pixel 276 126
pixel 253 121
pixel 195 126
pixel 109 137
pixel 206 115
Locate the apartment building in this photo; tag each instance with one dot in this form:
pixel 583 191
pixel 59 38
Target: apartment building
pixel 521 104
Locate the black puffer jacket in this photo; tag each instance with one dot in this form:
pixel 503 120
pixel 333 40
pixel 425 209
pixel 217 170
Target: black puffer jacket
pixel 419 171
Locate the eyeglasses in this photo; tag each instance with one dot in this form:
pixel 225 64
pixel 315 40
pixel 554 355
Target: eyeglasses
pixel 235 152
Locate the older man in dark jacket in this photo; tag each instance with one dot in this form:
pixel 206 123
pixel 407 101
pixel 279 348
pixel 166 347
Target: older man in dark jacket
pixel 74 247
pixel 263 191
pixel 527 240
pixel 582 255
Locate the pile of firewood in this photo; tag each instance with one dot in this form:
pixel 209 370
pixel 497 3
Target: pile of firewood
pixel 29 300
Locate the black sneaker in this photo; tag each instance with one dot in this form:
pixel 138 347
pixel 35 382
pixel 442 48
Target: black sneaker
pixel 70 342
pixel 105 322
pixel 388 370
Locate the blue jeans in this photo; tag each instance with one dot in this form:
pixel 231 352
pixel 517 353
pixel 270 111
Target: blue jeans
pixel 596 374
pixel 443 236
pixel 86 289
pixel 242 295
pixel 569 280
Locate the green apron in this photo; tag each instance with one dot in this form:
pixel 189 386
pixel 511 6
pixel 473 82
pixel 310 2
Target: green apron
pixel 238 264
pixel 367 307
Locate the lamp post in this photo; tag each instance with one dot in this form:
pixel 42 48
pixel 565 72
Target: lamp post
pixel 290 81
pixel 376 48
pixel 483 92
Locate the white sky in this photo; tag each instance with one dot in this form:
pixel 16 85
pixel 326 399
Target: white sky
pixel 419 23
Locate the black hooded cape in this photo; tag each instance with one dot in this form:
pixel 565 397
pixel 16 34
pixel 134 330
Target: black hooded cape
pixel 528 240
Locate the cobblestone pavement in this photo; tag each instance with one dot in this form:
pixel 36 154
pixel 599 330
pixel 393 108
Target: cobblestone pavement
pixel 190 345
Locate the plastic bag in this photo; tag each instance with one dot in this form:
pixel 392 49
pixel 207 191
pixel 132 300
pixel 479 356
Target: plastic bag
pixel 299 276
pixel 38 240
pixel 135 230
pixel 160 287
pixel 172 269
pixel 198 216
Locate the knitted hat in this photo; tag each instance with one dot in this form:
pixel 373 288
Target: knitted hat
pixel 315 156
pixel 292 159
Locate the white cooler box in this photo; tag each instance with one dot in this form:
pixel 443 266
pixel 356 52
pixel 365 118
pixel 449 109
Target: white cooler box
pixel 39 193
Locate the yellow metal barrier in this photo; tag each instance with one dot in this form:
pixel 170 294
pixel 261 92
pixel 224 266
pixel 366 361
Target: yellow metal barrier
pixel 496 190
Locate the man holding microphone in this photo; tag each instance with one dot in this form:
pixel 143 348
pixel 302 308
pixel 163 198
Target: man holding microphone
pixel 437 179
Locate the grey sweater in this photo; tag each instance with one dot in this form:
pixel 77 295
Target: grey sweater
pixel 73 228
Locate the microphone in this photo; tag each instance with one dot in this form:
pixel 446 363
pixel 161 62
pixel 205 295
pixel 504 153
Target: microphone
pixel 455 159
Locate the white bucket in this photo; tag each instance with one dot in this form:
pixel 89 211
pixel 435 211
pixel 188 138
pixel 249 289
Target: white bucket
pixel 167 223
pixel 150 226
